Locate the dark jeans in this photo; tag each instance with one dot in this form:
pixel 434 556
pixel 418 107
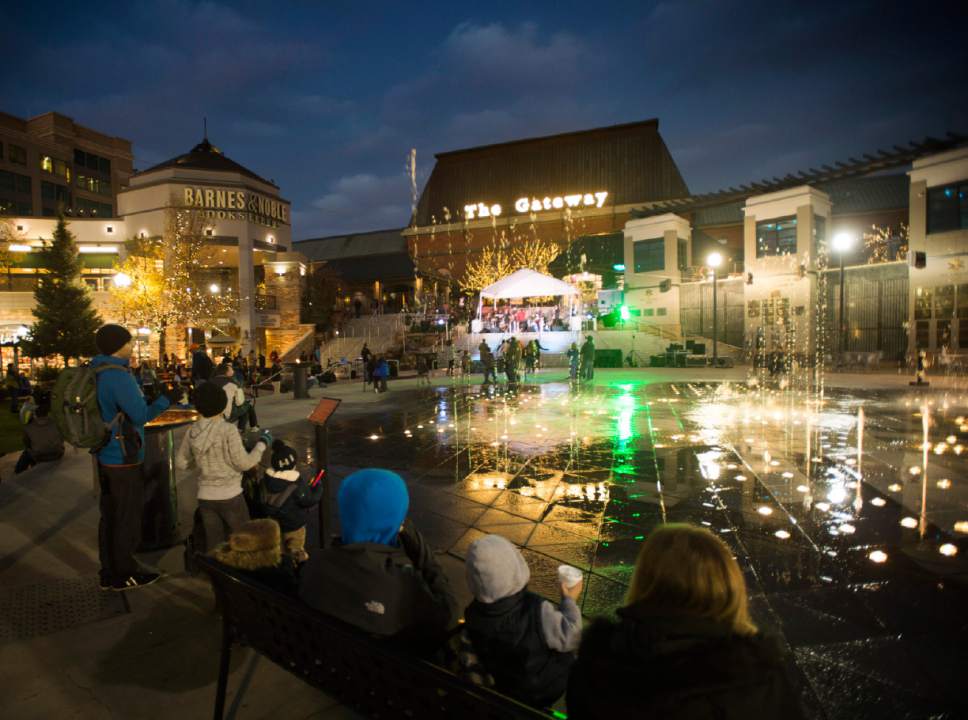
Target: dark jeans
pixel 119 532
pixel 247 416
pixel 215 520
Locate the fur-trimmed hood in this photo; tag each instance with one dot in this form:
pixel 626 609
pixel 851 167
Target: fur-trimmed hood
pixel 255 545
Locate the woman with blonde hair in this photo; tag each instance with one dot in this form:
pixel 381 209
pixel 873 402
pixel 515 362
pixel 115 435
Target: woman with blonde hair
pixel 684 645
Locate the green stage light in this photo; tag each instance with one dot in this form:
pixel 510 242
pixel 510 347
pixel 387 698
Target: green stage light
pixel 624 313
pixel 618 267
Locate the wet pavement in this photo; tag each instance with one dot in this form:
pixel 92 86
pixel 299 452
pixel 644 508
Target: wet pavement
pixel 857 560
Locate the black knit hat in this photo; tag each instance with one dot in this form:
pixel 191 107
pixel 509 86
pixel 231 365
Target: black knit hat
pixel 210 399
pixel 283 456
pixel 111 338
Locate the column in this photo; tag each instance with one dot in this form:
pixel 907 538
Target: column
pixel 246 315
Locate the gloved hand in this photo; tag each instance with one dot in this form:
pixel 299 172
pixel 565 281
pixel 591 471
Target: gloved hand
pixel 174 393
pixel 265 437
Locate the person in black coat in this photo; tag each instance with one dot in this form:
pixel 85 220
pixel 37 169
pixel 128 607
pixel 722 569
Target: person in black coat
pixel 288 495
pixel 684 646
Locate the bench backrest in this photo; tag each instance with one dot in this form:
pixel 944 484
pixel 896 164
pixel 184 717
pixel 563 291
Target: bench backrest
pixel 349 665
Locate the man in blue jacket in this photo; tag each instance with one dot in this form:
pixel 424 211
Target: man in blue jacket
pixel 121 461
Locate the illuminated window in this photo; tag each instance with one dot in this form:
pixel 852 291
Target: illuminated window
pixel 948 207
pixel 776 237
pixel 47 163
pixel 93 184
pixel 649 255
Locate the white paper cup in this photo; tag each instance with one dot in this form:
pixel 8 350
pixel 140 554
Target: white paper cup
pixel 569 576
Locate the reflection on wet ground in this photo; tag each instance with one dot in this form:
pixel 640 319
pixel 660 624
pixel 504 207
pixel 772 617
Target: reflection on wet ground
pixel 857 560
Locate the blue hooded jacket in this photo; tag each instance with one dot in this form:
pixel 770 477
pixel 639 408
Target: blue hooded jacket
pixel 372 505
pixel 119 391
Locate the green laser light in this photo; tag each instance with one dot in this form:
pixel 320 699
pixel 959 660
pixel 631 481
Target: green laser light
pixel 618 267
pixel 624 312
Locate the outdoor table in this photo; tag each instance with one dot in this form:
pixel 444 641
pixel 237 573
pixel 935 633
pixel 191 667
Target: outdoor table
pixel 159 524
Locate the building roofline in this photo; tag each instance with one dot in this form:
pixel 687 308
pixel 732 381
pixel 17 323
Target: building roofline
pixel 351 234
pixel 853 167
pixel 607 129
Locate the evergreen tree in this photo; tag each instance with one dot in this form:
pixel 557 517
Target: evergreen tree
pixel 66 321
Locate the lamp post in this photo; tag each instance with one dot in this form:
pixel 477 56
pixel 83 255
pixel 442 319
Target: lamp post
pixel 714 260
pixel 842 243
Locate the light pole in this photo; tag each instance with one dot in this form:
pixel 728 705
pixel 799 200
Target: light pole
pixel 842 243
pixel 714 260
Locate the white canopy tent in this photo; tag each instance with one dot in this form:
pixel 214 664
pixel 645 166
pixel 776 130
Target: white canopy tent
pixel 527 283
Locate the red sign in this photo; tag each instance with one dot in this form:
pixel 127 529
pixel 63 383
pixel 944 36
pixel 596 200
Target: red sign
pixel 323 410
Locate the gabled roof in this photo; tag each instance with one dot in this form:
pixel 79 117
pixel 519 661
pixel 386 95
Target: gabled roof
pixel 352 245
pixel 206 156
pixel 631 162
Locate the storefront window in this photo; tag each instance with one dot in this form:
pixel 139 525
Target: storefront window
pixel 682 253
pixel 948 207
pixel 649 255
pixel 943 330
pixel 923 333
pixel 922 304
pixel 944 301
pixel 776 237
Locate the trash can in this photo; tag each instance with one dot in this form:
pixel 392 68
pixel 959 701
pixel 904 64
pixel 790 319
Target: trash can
pixel 159 521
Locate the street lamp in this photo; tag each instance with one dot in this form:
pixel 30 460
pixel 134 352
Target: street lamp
pixel 842 243
pixel 122 280
pixel 714 260
pixel 213 288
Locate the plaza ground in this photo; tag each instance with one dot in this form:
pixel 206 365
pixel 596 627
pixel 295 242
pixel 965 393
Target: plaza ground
pixel 576 477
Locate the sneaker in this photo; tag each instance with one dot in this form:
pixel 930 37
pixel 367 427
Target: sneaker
pixel 254 428
pixel 135 581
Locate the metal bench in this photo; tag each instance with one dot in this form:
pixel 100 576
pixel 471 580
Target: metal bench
pixel 370 677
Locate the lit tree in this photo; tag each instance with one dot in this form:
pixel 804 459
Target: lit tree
pixel 534 253
pixel 878 242
pixel 166 284
pixel 490 266
pixel 496 261
pixel 66 320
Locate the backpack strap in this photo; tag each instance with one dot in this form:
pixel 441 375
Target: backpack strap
pixel 114 426
pixel 277 500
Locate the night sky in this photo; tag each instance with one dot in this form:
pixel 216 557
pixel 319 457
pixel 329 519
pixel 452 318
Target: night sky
pixel 327 98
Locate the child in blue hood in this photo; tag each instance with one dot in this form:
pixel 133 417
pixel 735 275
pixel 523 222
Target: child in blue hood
pixel 381 576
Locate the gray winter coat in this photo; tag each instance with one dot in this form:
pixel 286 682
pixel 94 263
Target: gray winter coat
pixel 215 447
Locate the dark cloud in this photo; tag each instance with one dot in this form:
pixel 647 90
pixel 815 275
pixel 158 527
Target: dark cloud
pixel 327 99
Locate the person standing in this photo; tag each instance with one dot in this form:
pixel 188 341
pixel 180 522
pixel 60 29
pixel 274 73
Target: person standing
pixel 121 460
pixel 574 354
pixel 588 359
pixel 202 365
pixel 365 355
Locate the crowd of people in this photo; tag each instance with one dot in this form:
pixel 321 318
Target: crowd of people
pixel 682 646
pixel 523 319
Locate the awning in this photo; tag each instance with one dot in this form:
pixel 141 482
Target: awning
pixel 527 283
